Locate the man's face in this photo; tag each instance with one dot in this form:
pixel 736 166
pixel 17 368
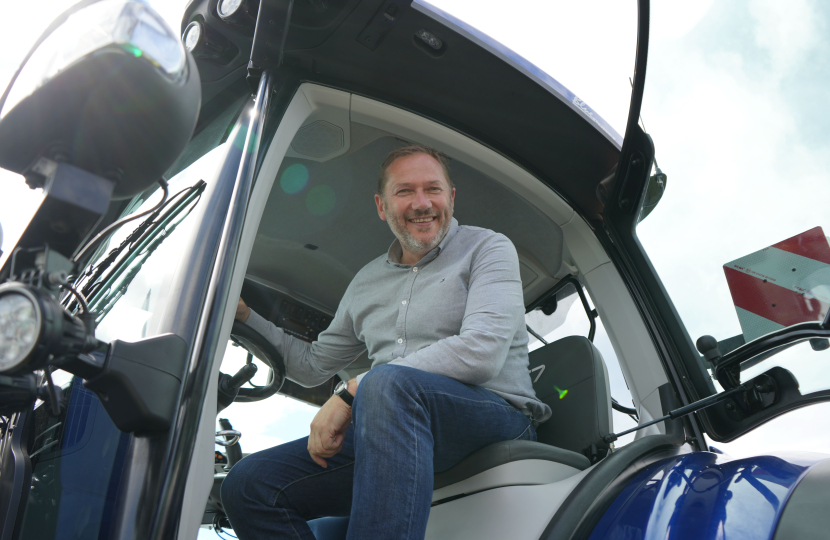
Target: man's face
pixel 417 203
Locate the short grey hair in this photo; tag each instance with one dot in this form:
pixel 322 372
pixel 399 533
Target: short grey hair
pixel 410 150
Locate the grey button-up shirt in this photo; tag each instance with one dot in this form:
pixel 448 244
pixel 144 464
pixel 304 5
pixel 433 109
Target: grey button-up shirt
pixel 457 312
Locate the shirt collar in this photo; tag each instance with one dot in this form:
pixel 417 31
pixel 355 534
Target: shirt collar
pixel 393 256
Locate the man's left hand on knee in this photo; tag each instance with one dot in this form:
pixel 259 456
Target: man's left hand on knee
pixel 328 429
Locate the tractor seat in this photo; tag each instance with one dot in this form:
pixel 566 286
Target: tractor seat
pixel 570 376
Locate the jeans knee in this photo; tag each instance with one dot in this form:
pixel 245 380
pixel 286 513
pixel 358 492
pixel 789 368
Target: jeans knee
pixel 384 392
pixel 385 381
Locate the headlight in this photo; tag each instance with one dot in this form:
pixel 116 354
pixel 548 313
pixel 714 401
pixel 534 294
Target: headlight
pixel 239 12
pixel 192 36
pixel 205 43
pixel 227 8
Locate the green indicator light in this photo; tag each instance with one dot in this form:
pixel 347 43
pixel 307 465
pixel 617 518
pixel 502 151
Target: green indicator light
pixel 562 393
pixel 132 49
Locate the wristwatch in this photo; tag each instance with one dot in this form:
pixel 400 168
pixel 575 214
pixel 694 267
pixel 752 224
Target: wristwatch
pixel 342 390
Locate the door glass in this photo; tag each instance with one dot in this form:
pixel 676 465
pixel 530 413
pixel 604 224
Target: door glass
pixel 266 423
pixel 569 318
pixel 735 101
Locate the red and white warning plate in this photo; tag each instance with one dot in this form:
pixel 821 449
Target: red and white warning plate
pixel 781 285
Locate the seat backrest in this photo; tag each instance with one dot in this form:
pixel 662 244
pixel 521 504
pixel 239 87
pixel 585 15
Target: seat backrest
pixel 570 376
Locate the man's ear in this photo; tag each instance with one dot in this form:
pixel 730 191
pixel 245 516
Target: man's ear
pixel 379 203
pixel 452 198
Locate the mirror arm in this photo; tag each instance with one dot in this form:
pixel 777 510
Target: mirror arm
pixel 682 411
pixel 727 367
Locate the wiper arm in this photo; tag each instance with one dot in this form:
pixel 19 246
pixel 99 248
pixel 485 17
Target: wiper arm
pixel 145 238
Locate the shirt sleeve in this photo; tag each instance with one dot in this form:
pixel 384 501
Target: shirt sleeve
pixel 493 314
pixel 312 364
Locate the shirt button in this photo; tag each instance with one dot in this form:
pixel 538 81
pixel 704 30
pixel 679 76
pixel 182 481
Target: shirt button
pixel 404 302
pixel 400 340
pixel 415 269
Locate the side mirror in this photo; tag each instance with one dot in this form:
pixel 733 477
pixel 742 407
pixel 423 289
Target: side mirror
pixel 111 91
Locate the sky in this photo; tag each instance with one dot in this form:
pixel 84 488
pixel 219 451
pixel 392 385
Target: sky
pixel 735 101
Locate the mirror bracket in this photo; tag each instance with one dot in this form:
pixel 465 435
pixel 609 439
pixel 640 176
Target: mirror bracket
pixel 74 200
pixel 272 22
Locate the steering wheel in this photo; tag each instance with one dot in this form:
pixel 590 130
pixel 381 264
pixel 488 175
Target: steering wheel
pixel 256 344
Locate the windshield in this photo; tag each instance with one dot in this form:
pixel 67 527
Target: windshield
pixel 735 101
pixel 77 457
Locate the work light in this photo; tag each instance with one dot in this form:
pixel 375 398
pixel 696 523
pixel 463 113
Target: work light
pixel 35 330
pixel 239 12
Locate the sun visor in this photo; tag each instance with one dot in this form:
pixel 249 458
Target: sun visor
pixel 781 285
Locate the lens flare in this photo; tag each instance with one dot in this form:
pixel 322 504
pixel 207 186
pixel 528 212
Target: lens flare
pixel 562 393
pixel 294 179
pixel 320 200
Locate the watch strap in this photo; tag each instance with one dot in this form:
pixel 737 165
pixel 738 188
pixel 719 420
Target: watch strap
pixel 342 390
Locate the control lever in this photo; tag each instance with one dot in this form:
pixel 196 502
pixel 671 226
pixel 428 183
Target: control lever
pixel 231 436
pixel 229 386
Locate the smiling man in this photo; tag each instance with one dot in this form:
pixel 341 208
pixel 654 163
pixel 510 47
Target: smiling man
pixel 442 316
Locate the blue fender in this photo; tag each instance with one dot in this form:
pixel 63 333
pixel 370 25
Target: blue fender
pixel 705 496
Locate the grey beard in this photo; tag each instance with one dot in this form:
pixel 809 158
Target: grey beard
pixel 409 243
pixel 413 245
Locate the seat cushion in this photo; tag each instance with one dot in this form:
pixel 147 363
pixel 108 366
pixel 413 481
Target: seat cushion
pixel 506 452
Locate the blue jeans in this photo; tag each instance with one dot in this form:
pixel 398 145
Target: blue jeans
pixel 406 425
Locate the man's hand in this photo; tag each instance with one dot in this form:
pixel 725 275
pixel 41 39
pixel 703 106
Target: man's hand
pixel 242 311
pixel 328 429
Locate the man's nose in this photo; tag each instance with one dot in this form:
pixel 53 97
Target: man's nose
pixel 421 200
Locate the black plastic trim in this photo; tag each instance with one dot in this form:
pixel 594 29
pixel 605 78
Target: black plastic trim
pixel 569 279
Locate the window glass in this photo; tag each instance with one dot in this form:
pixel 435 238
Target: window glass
pixel 266 423
pixel 735 101
pixel 571 319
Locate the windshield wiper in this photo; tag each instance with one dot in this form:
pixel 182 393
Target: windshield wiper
pixel 143 241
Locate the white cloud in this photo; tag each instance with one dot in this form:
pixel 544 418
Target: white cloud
pixel 786 30
pixel 672 19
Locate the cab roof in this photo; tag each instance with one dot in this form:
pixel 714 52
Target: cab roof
pixel 471 84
